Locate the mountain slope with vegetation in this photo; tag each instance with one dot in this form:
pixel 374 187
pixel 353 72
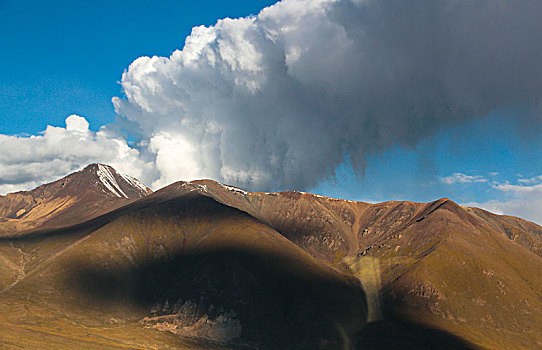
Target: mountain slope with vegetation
pixel 205 265
pixel 187 265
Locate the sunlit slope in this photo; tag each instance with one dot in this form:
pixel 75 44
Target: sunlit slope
pixel 184 264
pixel 523 232
pixel 462 270
pixel 175 266
pixel 76 198
pixel 322 226
pixel 453 272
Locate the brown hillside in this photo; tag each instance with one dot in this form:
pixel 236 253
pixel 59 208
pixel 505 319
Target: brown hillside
pixel 183 265
pixel 201 264
pixel 78 197
pixel 461 270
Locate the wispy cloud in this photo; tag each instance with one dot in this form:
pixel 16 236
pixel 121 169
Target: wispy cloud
pixel 532 181
pixel 522 185
pixel 517 188
pixel 462 178
pixel 523 199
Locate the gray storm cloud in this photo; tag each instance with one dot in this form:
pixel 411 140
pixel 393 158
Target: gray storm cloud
pixel 278 100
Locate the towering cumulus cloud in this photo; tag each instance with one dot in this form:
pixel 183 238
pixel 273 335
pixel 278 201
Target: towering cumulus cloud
pixel 278 100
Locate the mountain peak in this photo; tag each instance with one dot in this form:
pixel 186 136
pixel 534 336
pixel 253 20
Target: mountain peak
pixel 92 191
pixel 115 183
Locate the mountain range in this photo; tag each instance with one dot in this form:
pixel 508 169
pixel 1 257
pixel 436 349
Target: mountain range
pixel 97 260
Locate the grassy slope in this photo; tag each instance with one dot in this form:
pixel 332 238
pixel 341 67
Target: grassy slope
pixel 464 271
pixel 471 281
pixel 167 249
pixel 448 272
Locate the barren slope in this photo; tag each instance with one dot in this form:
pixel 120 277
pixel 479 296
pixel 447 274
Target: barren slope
pixel 462 270
pixel 179 263
pixel 78 197
pixel 184 264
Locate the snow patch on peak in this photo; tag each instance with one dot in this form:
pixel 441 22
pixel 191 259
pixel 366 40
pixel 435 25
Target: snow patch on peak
pixel 234 189
pixel 134 182
pixel 327 198
pixel 201 187
pixel 108 180
pixel 195 186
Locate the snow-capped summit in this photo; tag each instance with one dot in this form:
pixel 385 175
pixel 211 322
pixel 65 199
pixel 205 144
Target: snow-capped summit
pixel 116 183
pixel 92 191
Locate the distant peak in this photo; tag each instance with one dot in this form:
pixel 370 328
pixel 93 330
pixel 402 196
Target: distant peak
pixel 114 182
pixel 95 166
pixel 107 178
pixel 446 201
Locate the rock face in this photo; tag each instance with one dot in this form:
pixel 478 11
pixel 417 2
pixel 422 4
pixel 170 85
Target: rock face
pixel 78 197
pixel 205 265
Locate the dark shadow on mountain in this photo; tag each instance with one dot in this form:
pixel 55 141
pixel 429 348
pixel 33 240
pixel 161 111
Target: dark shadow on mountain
pixel 404 334
pixel 276 306
pixel 397 331
pixel 270 300
pixel 277 309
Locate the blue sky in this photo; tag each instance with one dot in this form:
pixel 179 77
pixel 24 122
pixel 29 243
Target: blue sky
pixel 64 57
pixel 60 58
pixel 486 148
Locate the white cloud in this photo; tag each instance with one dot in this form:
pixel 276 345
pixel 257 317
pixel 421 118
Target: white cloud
pixel 528 207
pixel 532 181
pixel 168 146
pixel 522 200
pixel 462 178
pixel 278 100
pixel 77 123
pixel 517 188
pixel 26 162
